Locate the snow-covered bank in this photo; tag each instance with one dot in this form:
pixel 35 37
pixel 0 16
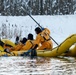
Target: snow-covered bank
pixel 60 26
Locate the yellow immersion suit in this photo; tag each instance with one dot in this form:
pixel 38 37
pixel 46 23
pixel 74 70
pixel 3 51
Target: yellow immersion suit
pixel 43 38
pixel 17 47
pixel 29 44
pixel 21 47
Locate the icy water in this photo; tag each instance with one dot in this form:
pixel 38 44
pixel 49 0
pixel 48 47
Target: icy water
pixel 39 66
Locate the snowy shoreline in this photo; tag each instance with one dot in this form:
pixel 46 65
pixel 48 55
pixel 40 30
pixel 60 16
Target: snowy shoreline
pixel 61 26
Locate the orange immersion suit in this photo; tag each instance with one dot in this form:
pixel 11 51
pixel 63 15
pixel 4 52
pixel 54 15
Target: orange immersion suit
pixel 17 47
pixel 29 44
pixel 43 38
pixel 21 47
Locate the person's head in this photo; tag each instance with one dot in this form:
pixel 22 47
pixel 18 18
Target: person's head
pixel 38 30
pixel 17 38
pixel 30 36
pixel 24 40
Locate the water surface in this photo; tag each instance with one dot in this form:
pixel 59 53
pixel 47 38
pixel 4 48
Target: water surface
pixel 39 66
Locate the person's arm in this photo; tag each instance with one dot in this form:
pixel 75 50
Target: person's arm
pixel 28 45
pixel 35 47
pixel 37 41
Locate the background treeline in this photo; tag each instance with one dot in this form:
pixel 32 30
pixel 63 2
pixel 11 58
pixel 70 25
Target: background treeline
pixel 37 7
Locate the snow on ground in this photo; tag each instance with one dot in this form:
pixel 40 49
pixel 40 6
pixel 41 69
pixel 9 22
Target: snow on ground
pixel 61 26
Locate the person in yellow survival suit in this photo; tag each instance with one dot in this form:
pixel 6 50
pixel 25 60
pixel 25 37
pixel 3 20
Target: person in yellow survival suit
pixel 28 45
pixel 30 42
pixel 17 47
pixel 22 47
pixel 43 38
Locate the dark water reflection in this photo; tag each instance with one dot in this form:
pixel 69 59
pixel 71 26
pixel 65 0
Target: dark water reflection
pixel 40 66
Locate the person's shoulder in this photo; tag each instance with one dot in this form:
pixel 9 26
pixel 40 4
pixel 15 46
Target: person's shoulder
pixel 20 43
pixel 29 40
pixel 46 29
